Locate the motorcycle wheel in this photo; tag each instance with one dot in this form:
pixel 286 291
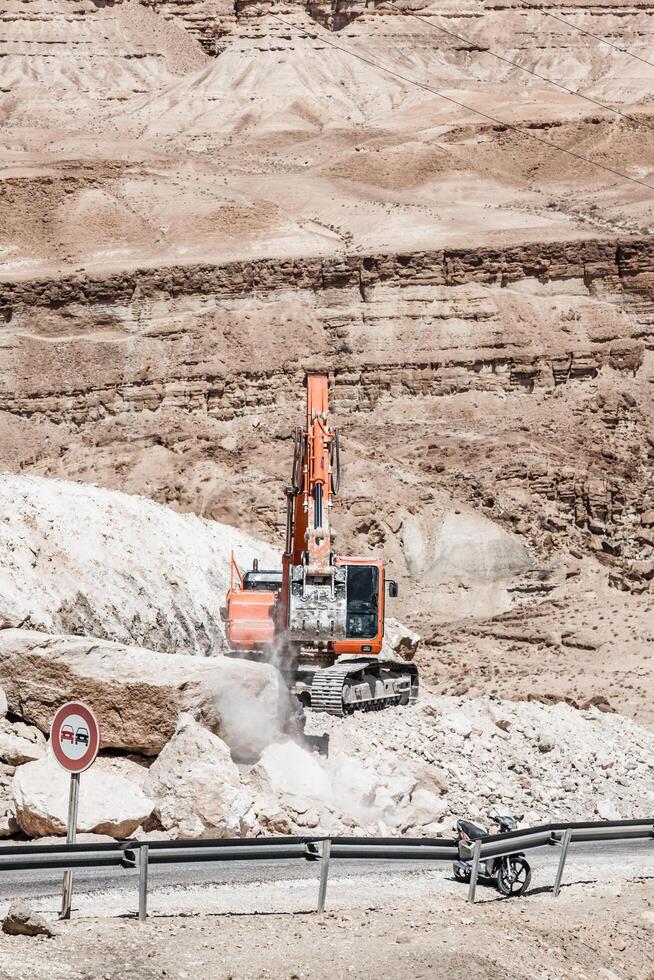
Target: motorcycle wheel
pixel 515 881
pixel 460 874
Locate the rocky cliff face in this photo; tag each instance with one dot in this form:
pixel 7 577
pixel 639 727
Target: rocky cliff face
pixel 209 20
pixel 193 132
pixel 515 381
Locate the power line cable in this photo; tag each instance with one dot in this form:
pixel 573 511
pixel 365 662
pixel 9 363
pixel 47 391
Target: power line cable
pixel 515 64
pixel 462 105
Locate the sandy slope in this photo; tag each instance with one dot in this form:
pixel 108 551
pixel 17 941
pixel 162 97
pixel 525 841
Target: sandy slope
pixel 392 936
pixel 127 144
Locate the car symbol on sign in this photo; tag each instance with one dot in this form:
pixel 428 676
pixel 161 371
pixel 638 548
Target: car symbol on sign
pixel 67 734
pixel 82 736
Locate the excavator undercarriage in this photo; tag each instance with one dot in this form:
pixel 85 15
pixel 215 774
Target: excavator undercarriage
pixel 361 685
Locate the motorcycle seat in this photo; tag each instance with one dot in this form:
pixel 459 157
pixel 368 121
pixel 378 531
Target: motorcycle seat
pixel 473 830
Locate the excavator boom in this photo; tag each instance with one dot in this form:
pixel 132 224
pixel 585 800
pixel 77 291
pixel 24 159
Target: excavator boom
pixel 313 598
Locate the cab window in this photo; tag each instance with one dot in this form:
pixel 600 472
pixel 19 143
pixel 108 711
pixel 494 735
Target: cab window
pixel 362 601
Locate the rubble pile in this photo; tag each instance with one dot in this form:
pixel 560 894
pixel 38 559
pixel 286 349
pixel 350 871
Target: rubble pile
pixel 414 771
pixel 483 755
pixel 411 771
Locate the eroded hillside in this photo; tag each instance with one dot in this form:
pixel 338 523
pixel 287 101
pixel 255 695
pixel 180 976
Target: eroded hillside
pixel 164 132
pixel 199 201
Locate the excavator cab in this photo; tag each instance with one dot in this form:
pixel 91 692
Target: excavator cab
pixel 362 602
pixel 364 606
pixel 265 580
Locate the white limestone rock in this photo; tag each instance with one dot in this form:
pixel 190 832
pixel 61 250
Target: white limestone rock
pixel 109 802
pixel 196 785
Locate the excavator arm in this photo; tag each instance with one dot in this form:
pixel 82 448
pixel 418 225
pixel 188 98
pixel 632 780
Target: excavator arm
pixel 313 596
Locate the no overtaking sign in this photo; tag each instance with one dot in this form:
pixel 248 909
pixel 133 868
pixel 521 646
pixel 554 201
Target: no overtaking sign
pixel 75 737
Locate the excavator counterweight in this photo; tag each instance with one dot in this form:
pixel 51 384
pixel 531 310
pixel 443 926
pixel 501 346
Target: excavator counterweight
pixel 322 616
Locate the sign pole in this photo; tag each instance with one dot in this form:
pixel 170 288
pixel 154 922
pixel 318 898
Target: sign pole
pixel 74 742
pixel 73 805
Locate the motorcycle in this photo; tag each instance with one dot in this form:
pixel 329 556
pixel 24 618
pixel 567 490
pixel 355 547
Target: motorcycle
pixel 511 873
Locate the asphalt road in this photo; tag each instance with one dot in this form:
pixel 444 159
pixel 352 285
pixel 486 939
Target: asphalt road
pixel 290 886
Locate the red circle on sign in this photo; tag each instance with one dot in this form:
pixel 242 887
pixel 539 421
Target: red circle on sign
pixel 75 736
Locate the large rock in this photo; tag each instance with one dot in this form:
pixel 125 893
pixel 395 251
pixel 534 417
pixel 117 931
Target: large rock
pixel 137 695
pixel 109 801
pixel 20 743
pixel 196 786
pixel 22 920
pixel 79 559
pixel 399 641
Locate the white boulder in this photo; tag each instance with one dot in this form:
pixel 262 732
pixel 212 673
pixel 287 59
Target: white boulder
pixel 399 641
pixel 109 802
pixel 20 743
pixel 196 786
pixel 425 808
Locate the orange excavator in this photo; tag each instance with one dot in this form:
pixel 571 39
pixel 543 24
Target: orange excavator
pixel 321 617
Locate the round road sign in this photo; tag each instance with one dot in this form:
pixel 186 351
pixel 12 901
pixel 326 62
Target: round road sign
pixel 75 736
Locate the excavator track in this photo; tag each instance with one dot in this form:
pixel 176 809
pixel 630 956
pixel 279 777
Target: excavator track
pixel 371 685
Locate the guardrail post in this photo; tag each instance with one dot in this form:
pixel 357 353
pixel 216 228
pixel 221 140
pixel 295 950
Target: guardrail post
pixel 565 843
pixel 143 858
pixel 474 874
pixel 324 873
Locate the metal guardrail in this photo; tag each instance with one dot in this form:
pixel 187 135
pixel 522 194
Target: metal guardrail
pixel 322 849
pixel 47 857
pixel 134 854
